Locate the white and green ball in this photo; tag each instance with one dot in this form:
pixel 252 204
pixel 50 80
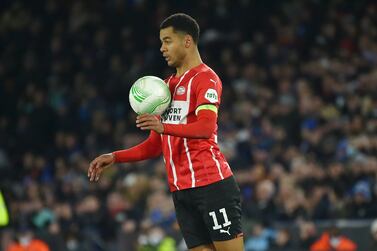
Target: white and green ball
pixel 150 95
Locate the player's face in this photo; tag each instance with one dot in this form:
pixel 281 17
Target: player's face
pixel 172 46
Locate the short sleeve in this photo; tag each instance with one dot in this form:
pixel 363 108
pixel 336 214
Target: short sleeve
pixel 208 89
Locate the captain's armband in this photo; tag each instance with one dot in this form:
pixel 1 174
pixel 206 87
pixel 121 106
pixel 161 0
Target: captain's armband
pixel 206 107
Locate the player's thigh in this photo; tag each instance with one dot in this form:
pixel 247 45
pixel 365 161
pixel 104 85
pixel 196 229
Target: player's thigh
pixel 235 244
pixel 221 210
pixel 190 221
pixel 209 247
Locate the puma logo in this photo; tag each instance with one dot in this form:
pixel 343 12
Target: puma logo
pixel 225 231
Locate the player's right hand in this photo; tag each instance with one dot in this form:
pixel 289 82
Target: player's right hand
pixel 98 165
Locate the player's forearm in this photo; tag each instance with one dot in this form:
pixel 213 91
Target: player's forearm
pixel 203 128
pixel 150 148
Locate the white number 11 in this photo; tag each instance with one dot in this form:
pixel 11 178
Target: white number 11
pixel 216 223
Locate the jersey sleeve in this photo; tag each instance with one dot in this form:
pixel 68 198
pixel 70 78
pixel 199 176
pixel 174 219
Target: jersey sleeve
pixel 208 90
pixel 150 148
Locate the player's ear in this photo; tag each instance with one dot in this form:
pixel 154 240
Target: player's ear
pixel 188 41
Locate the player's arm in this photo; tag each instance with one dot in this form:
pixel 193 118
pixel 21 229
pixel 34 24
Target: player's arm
pixel 150 148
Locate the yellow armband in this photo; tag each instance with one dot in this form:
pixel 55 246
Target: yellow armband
pixel 206 107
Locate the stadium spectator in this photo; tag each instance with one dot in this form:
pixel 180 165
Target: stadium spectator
pixel 25 241
pixel 333 240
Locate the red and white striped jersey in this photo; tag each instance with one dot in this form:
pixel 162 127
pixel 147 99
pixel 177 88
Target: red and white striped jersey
pixel 192 162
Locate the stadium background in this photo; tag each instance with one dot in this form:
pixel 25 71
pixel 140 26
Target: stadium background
pixel 297 122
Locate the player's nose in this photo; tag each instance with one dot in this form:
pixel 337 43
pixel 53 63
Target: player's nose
pixel 162 48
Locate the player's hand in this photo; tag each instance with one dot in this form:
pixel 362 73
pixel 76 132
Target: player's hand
pixel 149 122
pixel 98 165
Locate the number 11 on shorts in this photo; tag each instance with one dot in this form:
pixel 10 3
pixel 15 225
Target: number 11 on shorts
pixel 216 225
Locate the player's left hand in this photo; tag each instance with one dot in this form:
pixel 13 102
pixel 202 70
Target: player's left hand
pixel 149 122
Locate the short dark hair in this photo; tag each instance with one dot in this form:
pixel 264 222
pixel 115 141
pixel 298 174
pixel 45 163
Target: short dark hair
pixel 184 23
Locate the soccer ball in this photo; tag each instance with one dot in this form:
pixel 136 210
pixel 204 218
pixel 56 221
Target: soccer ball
pixel 150 95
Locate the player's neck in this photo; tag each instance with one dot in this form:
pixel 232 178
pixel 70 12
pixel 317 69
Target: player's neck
pixel 192 61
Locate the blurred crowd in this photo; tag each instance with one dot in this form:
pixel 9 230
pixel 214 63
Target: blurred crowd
pixel 297 123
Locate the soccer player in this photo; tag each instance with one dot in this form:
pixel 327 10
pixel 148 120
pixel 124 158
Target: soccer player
pixel 205 193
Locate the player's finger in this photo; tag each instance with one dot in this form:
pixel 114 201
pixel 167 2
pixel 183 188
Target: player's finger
pixel 94 171
pixel 145 123
pixel 140 117
pixel 91 167
pixel 145 115
pixel 98 174
pixel 148 128
pixel 144 119
pixel 92 175
pixel 141 124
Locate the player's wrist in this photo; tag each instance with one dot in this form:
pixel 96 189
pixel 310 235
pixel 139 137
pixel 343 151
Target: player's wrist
pixel 113 157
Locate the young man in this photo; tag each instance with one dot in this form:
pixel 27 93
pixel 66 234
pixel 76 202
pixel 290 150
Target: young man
pixel 205 194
